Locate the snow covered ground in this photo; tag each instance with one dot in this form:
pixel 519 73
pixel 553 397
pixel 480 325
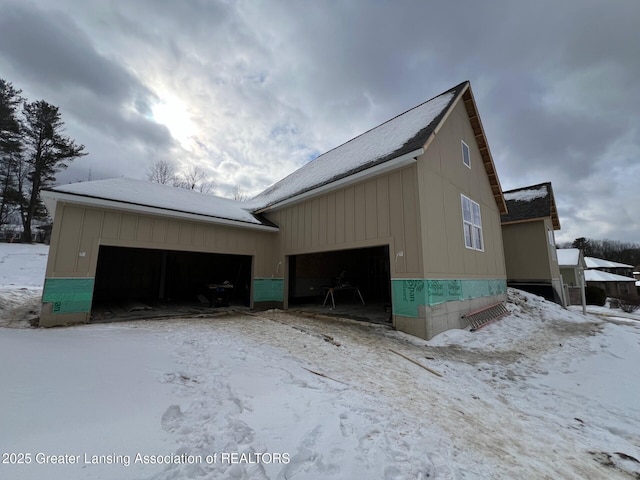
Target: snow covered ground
pixel 542 393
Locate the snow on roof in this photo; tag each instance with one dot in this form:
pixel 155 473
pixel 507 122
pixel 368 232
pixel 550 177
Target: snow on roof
pixel 600 276
pixel 526 195
pixel 378 145
pixel 568 256
pixel 593 262
pixel 148 194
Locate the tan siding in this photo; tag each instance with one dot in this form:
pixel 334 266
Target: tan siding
pixel 382 198
pixel 159 230
pixel 70 235
pixel 371 209
pixel 322 221
pixel 173 232
pixel 443 178
pixel 74 250
pixel 525 250
pixel 435 233
pixel 331 220
pixel 143 233
pixel 111 226
pixel 379 211
pixel 128 227
pixel 412 251
pixel 186 233
pixel 308 223
pixel 88 248
pixel 396 220
pixel 340 218
pixel 198 235
pixel 359 212
pixel 349 215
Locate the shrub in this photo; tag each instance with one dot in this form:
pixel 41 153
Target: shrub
pixel 595 295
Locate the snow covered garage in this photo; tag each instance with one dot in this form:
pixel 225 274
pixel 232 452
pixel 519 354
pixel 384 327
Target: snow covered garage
pixel 126 241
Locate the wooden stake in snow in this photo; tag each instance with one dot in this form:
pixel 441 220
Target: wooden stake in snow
pixel 324 376
pixel 417 363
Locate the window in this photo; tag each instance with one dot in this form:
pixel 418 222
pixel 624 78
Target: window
pixel 466 156
pixel 552 243
pixel 472 224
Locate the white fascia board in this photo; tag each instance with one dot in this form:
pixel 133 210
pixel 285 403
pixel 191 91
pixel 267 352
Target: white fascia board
pixel 399 162
pixel 51 198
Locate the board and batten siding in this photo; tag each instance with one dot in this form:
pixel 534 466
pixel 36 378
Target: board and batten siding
pixel 378 211
pixel 442 178
pixel 79 231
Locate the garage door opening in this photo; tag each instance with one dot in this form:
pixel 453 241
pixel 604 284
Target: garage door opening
pixel 136 278
pixel 354 283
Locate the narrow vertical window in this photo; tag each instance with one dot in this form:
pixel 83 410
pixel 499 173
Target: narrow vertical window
pixel 472 224
pixel 552 243
pixel 466 156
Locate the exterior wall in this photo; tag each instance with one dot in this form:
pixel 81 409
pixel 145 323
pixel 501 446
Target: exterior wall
pixel 442 179
pixel 528 254
pixel 617 289
pixel 455 279
pixel 79 231
pixel 374 212
pixel 570 276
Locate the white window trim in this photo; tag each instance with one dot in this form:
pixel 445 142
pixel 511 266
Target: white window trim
pixel 468 150
pixel 474 227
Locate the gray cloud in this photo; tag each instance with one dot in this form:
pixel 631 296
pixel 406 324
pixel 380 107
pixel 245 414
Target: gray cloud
pixel 270 85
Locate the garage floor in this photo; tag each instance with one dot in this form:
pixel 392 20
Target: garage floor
pixel 374 313
pixel 120 312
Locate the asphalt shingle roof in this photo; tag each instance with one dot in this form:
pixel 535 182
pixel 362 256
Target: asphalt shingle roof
pixel 530 203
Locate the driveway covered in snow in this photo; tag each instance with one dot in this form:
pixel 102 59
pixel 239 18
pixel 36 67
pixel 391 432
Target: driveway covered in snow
pixel 543 393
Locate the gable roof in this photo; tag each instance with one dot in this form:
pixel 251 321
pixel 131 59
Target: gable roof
pixel 387 146
pixel 147 197
pixel 600 276
pixel 593 262
pixel 570 257
pixel 531 203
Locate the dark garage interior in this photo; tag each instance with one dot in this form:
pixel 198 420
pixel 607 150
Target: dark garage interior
pixel 362 271
pixel 155 277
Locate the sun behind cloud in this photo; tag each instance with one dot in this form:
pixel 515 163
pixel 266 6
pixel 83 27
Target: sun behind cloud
pixel 172 112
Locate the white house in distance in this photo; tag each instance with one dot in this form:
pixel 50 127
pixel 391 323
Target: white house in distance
pixel 407 214
pixel 572 268
pixel 613 277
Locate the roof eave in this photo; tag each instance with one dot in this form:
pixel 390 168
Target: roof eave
pixel 483 146
pixel 52 197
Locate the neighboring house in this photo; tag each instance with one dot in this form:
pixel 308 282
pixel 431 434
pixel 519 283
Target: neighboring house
pixel 572 267
pixel 408 212
pixel 529 241
pixel 613 277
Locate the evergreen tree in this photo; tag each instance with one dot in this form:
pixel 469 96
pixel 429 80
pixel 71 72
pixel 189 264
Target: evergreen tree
pixel 46 152
pixel 10 147
pixel 584 245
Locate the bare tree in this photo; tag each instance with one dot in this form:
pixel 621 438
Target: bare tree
pixel 161 171
pixel 195 179
pixel 239 195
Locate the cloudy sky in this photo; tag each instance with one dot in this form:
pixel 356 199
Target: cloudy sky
pixel 250 90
